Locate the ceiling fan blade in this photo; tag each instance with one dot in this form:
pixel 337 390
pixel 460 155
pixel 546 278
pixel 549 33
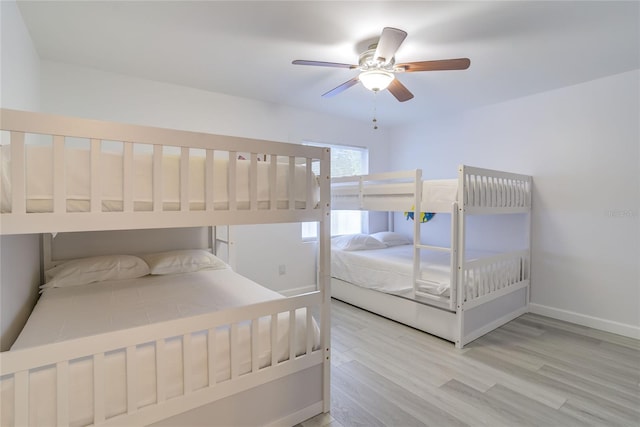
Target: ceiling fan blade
pixel 439 65
pixel 323 64
pixel 390 41
pixel 400 91
pixel 344 86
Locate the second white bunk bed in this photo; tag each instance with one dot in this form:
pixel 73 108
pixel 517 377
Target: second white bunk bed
pixel 451 292
pixel 218 364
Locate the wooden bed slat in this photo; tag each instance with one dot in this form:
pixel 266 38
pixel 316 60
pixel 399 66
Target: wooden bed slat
pixel 99 412
pixel 132 389
pixel 96 184
pixel 309 331
pixel 291 182
pixel 157 178
pixel 274 340
pixel 18 183
pixel 292 335
pixel 21 398
pixel 187 361
pixel 232 181
pixel 211 356
pixel 273 169
pixel 209 180
pixel 253 182
pixel 127 177
pixel 62 393
pixel 233 350
pixel 59 184
pixel 255 349
pixel 184 179
pixel 310 186
pixel 161 392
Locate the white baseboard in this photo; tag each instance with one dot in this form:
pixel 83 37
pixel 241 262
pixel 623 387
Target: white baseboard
pixel 623 329
pixel 297 291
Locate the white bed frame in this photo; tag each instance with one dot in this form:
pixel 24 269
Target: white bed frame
pixel 303 380
pixel 500 283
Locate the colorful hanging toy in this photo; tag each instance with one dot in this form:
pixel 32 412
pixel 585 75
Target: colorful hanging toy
pixel 424 216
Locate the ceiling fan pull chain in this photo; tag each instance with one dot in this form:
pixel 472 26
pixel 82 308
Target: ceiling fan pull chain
pixel 375 121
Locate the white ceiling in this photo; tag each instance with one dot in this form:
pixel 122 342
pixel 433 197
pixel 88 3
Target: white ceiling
pixel 245 49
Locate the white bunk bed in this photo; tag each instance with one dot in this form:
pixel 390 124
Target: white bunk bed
pixel 207 364
pixel 448 291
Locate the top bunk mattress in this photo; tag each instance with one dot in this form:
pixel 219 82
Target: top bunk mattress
pixel 437 196
pixel 40 171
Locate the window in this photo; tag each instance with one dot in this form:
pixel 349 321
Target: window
pixel 345 161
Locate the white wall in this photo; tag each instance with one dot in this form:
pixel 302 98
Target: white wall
pixel 274 256
pixel 581 145
pixel 19 62
pixel 71 90
pixel 19 255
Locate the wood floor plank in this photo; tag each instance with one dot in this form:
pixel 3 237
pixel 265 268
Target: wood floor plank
pixel 591 416
pixel 508 414
pixel 630 401
pixel 349 412
pixel 426 412
pixel 576 395
pixel 454 364
pixel 583 363
pixel 533 412
pixel 429 393
pixel 533 371
pixel 498 345
pixel 380 406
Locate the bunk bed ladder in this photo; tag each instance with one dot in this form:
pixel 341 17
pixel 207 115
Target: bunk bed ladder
pixel 417 241
pixel 418 282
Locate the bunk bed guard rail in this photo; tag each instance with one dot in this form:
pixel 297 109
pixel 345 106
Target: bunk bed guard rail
pixel 241 180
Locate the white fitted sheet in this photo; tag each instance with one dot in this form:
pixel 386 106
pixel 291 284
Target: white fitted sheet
pixel 39 181
pixel 65 313
pixel 390 270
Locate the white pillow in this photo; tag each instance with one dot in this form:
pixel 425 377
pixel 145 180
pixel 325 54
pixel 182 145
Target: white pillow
pixel 391 238
pixel 95 269
pixel 183 261
pixel 356 242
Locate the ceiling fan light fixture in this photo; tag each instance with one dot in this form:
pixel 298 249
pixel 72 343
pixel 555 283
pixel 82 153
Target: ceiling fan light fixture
pixel 376 80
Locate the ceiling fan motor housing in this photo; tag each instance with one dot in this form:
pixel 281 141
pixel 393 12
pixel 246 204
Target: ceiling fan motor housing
pixel 367 61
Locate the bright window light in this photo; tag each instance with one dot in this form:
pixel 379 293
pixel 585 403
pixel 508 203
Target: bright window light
pixel 345 161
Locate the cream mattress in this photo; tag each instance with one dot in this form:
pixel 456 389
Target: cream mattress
pixel 437 195
pixel 390 270
pixel 39 182
pixel 65 313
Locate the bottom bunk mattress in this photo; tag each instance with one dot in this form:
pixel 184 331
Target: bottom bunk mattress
pixel 74 312
pixel 390 269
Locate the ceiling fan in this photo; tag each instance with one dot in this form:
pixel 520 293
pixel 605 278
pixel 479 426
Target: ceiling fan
pixel 377 66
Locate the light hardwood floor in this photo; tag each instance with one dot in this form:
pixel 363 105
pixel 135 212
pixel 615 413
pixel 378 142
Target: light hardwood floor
pixel 533 371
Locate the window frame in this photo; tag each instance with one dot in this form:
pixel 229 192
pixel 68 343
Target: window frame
pixel 364 169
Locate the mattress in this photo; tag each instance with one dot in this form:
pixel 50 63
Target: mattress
pixel 437 195
pixel 73 312
pixel 39 182
pixel 390 269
